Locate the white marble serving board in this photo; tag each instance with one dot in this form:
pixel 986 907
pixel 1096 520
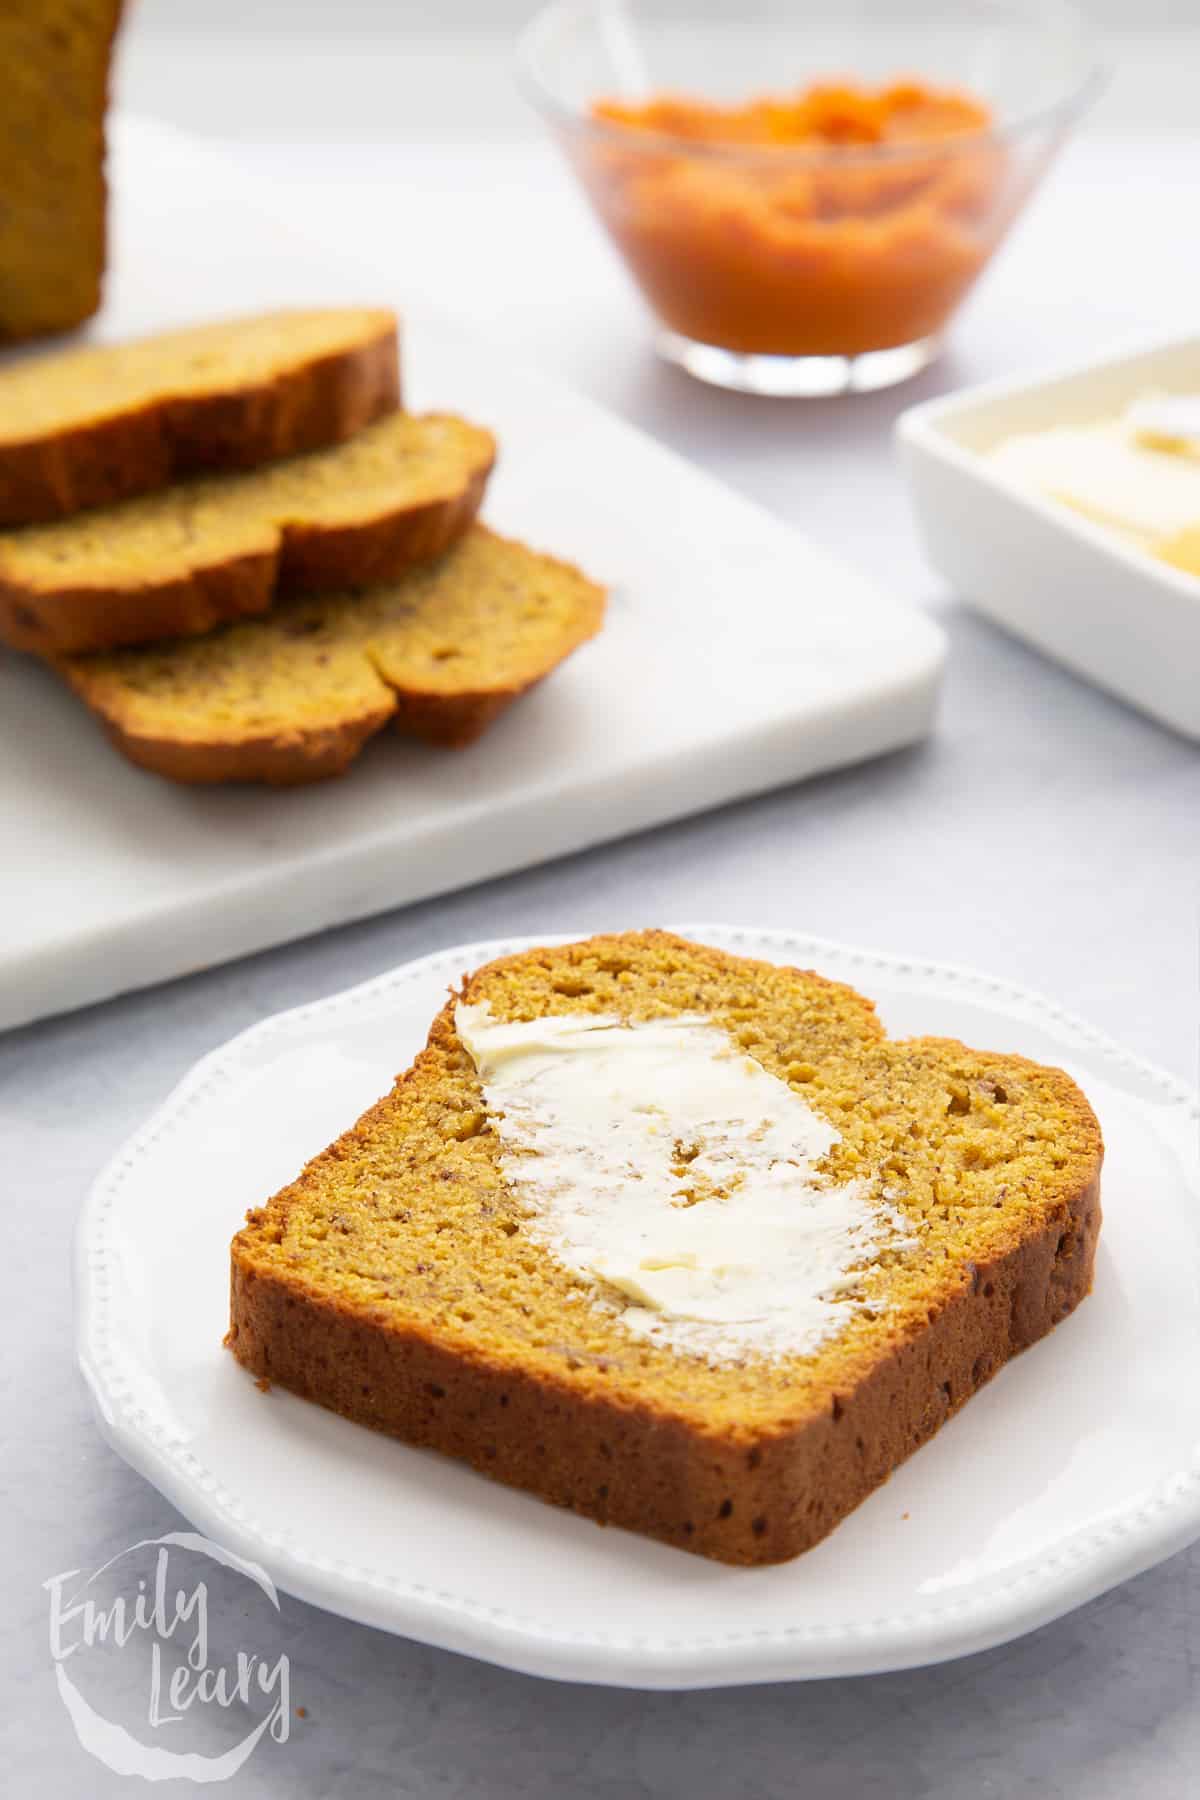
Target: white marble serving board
pixel 736 657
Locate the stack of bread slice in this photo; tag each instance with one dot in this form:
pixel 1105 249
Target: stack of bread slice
pixel 241 554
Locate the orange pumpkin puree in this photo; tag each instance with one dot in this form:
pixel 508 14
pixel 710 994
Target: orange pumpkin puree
pixel 819 254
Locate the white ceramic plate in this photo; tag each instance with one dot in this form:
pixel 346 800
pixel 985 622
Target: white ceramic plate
pixel 1102 607
pixel 1078 1466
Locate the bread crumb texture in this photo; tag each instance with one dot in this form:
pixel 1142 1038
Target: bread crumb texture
pixel 78 387
pixel 405 460
pixel 401 1248
pixel 203 552
pixel 92 426
pixel 438 651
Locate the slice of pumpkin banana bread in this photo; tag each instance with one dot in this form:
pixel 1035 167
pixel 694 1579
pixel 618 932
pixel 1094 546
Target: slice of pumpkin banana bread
pixel 92 426
pixel 293 696
pixel 676 1239
pixel 192 556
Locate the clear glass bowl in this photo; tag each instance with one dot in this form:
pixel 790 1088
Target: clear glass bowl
pixel 793 269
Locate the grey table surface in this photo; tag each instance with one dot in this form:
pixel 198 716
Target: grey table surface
pixel 1045 833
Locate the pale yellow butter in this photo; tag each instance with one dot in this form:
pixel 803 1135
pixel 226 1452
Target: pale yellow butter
pixel 1106 472
pixel 661 1162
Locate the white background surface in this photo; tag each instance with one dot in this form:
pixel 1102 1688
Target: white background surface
pixel 1045 833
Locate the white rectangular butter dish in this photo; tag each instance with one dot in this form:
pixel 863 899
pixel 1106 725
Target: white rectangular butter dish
pixel 1076 590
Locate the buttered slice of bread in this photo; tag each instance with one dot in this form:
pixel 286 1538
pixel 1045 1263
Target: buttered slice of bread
pixel 293 696
pixel 178 562
pixel 92 426
pixel 677 1239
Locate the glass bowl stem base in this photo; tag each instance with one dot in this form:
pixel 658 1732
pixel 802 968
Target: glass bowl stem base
pixel 798 377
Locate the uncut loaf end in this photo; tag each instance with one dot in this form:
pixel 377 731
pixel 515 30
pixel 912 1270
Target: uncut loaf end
pixel 55 59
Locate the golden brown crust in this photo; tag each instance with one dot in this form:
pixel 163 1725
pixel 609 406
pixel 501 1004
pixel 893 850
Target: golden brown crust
pixel 294 761
pixel 315 558
pixel 315 753
pixel 739 1500
pixel 307 558
pixel 576 1435
pixel 74 620
pixel 318 402
pixel 452 722
pixel 311 750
